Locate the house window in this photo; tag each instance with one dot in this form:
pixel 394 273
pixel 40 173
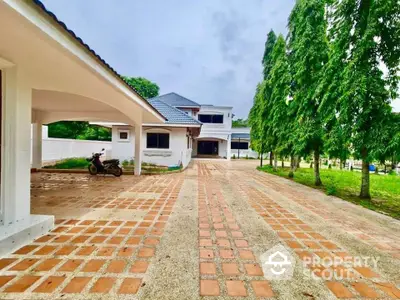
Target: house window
pixel 217 119
pixel 123 135
pixel 240 146
pixel 158 140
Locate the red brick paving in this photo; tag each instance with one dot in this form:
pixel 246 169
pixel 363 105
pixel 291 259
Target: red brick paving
pixel 111 257
pixel 227 264
pixel 378 238
pixel 302 239
pixel 93 256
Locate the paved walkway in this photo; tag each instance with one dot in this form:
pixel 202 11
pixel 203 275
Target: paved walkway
pixel 200 235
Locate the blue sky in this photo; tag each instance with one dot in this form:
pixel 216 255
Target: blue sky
pixel 209 51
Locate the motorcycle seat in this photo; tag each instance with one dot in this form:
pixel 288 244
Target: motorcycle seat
pixel 110 161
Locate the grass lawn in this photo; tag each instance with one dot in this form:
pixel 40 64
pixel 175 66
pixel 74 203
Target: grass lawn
pixel 385 189
pixel 70 163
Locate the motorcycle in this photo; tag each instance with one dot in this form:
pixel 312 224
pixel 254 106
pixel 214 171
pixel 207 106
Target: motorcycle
pixel 110 166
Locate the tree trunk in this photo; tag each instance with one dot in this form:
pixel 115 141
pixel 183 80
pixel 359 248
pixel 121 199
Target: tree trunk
pixel 364 194
pixel 318 181
pixel 271 157
pixel 275 163
pixel 283 163
pixel 298 160
pixel 261 160
pixel 292 166
pixel 341 164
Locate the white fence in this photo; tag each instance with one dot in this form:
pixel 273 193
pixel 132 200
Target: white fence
pixel 55 149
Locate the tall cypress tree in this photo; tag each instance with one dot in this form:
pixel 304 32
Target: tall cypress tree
pixel 308 54
pixel 364 35
pixel 267 58
pixel 267 66
pixel 255 122
pixel 281 113
pixel 258 115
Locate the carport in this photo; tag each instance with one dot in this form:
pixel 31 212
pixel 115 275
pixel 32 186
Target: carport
pixel 48 74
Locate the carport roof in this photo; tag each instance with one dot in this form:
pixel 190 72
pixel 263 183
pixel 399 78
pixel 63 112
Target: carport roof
pixel 240 136
pixel 42 8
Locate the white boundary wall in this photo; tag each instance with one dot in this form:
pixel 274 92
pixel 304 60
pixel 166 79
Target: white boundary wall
pixel 55 149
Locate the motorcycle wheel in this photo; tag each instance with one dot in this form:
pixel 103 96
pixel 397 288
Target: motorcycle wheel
pixel 117 172
pixel 92 169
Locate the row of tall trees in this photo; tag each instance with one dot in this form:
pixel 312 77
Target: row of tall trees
pixel 327 87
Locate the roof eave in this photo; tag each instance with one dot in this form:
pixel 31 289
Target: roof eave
pixel 40 7
pixel 172 125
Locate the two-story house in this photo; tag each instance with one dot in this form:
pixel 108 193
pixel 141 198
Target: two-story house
pixel 191 130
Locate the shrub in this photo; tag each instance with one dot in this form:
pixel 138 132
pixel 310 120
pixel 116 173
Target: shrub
pixel 234 156
pixel 247 156
pixel 331 190
pixel 125 163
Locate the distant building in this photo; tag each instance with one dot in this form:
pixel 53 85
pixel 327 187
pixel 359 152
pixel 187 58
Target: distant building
pixel 191 130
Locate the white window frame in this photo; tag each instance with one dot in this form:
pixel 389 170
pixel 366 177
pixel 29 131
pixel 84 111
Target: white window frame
pixel 128 132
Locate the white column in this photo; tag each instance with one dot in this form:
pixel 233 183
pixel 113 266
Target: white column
pixel 37 145
pixel 228 148
pixel 16 147
pixel 138 149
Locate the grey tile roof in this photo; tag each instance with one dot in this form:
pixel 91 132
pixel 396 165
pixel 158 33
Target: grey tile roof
pixel 43 8
pixel 172 114
pixel 176 100
pixel 240 136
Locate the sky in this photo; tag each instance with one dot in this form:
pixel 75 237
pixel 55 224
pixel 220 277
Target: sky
pixel 209 51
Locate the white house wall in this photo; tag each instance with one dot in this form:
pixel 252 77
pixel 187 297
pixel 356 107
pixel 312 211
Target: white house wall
pixel 222 148
pixel 226 126
pixel 176 154
pixel 123 150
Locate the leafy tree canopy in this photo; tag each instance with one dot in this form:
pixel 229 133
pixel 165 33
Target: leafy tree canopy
pixel 364 36
pixel 144 87
pixel 78 131
pixel 240 123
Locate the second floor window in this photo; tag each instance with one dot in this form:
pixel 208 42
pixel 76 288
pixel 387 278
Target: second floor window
pixel 158 140
pixel 217 119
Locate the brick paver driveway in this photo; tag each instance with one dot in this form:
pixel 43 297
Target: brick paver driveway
pixel 200 235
